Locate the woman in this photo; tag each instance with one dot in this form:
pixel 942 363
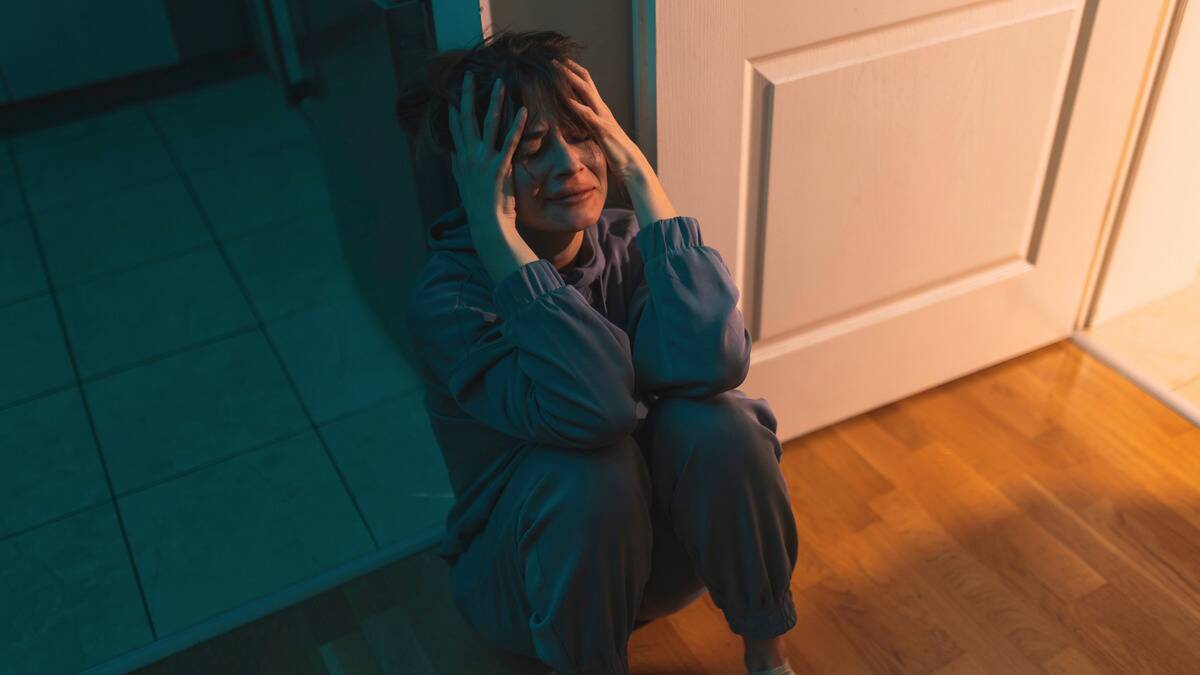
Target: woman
pixel 580 366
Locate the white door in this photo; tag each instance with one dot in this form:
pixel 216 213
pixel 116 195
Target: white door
pixel 905 190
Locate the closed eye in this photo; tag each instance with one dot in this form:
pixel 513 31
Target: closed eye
pixel 528 152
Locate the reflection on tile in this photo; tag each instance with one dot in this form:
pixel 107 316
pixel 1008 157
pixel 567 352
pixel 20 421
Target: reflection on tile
pixel 60 171
pixel 68 598
pixel 124 228
pixel 21 272
pixel 239 530
pixel 340 359
pixel 394 468
pixel 160 419
pixel 33 355
pixel 119 319
pixel 211 125
pixel 1161 338
pixel 51 465
pixel 292 266
pixel 261 189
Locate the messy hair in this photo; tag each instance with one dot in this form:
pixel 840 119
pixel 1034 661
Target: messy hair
pixel 523 60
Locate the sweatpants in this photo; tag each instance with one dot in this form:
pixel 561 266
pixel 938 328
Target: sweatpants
pixel 585 545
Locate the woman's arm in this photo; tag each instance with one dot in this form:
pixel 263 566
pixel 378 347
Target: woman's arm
pixel 650 201
pixel 503 253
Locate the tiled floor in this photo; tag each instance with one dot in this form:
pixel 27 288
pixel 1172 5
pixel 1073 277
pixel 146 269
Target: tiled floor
pixel 1160 339
pixel 196 409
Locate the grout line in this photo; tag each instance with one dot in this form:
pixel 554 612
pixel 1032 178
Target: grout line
pixel 391 398
pixel 77 202
pixel 252 611
pixel 164 257
pixel 87 408
pixel 156 122
pixel 187 181
pixel 179 170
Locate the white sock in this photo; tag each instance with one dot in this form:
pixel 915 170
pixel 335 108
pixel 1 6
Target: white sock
pixel 784 669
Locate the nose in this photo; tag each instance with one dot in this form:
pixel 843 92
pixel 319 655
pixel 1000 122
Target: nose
pixel 565 159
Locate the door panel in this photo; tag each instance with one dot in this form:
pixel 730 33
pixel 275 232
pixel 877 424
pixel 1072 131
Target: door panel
pixel 906 192
pixel 912 168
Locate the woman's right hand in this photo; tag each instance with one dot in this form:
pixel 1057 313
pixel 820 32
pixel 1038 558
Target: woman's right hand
pixel 484 175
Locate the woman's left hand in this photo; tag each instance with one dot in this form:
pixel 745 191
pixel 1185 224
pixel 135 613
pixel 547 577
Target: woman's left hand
pixel 624 156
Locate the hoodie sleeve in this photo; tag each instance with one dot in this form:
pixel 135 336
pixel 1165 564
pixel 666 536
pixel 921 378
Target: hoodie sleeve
pixel 688 335
pixel 529 357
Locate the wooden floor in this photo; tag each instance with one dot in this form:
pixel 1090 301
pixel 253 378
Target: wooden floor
pixel 1039 516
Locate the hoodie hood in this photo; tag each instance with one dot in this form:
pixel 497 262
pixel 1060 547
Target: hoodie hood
pixel 450 232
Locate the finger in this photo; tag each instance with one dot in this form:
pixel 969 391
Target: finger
pixel 493 115
pixel 514 134
pixel 470 123
pixel 576 68
pixel 455 132
pixel 585 112
pixel 579 70
pixel 586 89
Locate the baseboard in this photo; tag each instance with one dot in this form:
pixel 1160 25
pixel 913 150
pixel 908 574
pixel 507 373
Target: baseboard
pixel 1151 385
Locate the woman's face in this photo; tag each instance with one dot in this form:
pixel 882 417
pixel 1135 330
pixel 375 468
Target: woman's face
pixel 546 164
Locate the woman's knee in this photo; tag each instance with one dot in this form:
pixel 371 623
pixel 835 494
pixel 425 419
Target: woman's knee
pixel 600 489
pixel 723 433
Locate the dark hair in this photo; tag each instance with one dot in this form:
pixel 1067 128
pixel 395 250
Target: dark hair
pixel 521 59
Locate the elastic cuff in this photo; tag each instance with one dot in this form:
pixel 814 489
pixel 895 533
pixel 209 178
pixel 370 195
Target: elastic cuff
pixel 524 285
pixel 765 623
pixel 668 234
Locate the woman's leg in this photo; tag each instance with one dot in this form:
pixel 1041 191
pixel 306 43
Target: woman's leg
pixel 674 580
pixel 715 469
pixel 559 570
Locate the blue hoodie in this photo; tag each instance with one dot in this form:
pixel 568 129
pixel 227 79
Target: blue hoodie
pixel 566 358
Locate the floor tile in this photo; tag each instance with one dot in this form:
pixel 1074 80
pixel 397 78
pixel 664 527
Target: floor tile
pixel 68 597
pixel 33 355
pixel 158 420
pixel 120 319
pixel 51 464
pixel 212 125
pixel 265 188
pixel 292 266
pixel 122 229
pixel 63 170
pixel 239 530
pixel 340 359
pixel 21 272
pixel 393 466
pixel 11 205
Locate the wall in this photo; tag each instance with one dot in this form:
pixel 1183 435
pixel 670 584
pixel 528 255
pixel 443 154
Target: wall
pixel 55 45
pixel 1157 246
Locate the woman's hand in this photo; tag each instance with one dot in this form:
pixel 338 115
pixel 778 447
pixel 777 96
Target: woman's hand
pixel 650 202
pixel 624 156
pixel 484 175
